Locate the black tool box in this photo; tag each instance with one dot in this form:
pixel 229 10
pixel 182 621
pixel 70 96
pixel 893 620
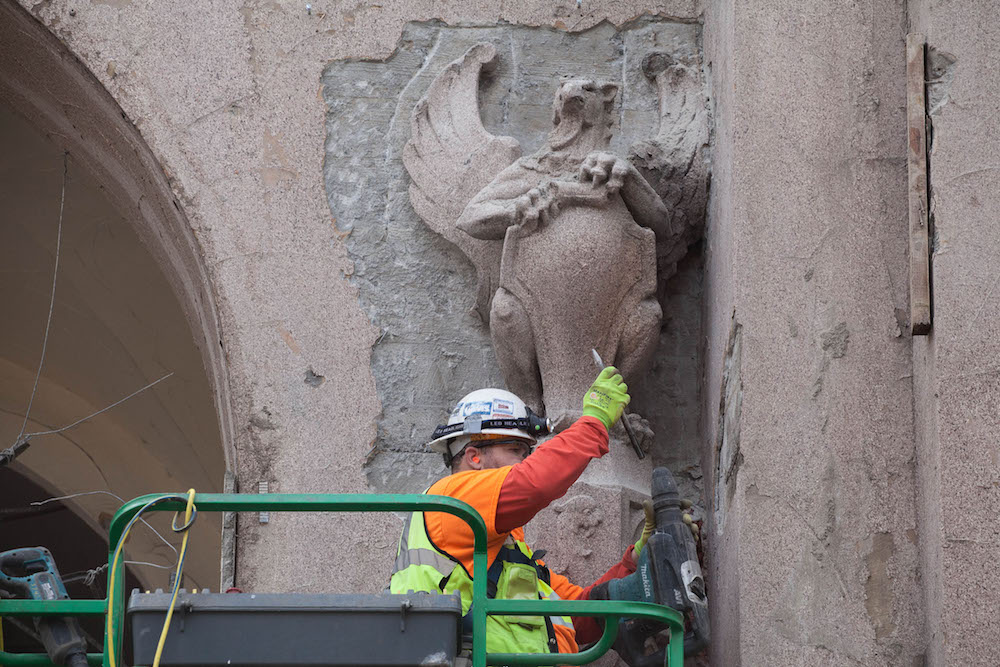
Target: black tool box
pixel 319 630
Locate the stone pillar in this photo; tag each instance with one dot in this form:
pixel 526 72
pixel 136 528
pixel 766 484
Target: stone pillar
pixel 808 396
pixel 956 368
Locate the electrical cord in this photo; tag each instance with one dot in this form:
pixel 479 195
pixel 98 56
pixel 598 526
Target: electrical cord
pixel 188 520
pixel 191 512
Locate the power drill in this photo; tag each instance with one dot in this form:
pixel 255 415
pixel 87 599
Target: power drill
pixel 30 573
pixel 667 573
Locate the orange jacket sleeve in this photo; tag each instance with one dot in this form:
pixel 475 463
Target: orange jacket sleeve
pixel 548 473
pixel 589 629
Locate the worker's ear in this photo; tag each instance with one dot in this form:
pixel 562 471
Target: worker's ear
pixel 473 458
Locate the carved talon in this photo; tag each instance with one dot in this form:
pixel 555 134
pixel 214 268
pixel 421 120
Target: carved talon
pixel 536 206
pixel 604 169
pixel 618 174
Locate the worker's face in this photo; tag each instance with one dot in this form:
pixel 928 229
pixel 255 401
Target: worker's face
pixel 503 453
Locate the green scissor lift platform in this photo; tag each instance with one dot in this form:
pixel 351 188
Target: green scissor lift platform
pixel 482 606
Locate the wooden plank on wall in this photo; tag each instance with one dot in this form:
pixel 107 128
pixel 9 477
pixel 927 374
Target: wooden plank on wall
pixel 916 121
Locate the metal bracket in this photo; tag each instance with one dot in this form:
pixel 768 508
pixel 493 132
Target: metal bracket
pixel 263 516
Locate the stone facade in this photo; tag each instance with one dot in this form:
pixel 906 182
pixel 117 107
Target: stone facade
pixel 847 471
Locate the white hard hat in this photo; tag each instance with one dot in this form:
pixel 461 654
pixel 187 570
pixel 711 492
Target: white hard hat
pixel 490 412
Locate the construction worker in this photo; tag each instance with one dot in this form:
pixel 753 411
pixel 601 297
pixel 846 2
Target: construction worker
pixel 486 444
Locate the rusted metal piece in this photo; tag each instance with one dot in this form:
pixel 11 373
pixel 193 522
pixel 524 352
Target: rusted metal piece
pixel 916 122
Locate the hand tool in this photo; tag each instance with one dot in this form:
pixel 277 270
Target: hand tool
pixel 628 427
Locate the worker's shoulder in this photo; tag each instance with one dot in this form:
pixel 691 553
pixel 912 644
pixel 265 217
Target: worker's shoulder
pixel 469 482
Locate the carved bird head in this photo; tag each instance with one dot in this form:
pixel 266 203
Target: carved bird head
pixel 583 107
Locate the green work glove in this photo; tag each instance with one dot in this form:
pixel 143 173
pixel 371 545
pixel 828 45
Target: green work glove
pixel 648 528
pixel 607 397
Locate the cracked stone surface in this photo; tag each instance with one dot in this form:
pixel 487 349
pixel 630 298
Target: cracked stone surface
pixel 807 250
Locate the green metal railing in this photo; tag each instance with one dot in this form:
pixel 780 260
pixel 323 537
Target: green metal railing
pixel 482 606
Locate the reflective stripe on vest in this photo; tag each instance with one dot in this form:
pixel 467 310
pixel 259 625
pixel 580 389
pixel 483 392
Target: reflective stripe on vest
pixel 564 621
pixel 419 566
pixel 421 553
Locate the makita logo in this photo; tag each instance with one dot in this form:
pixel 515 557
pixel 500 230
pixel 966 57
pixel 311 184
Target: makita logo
pixel 647 585
pixel 47 592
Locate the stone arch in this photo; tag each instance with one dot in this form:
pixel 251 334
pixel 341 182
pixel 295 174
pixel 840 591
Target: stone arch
pixel 133 301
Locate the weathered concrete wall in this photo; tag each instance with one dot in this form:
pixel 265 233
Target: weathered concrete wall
pixel 814 559
pixel 956 367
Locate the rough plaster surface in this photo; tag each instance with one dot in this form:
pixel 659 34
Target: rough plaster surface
pixel 816 562
pixel 809 180
pixel 419 289
pixel 227 95
pixel 956 368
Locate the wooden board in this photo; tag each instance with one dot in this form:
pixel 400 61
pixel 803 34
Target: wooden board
pixel 916 122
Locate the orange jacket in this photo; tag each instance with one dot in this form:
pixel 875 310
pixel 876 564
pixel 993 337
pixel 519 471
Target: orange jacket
pixel 509 497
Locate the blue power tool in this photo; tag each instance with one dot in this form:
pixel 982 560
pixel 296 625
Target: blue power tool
pixel 31 574
pixel 668 573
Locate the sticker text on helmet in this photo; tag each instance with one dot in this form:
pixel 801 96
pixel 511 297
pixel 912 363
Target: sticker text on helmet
pixel 477 408
pixel 502 408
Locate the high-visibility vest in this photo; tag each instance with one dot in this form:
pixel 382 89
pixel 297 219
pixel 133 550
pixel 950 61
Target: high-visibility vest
pixel 513 575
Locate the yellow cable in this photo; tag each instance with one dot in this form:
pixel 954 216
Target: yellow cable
pixel 110 641
pixel 177 579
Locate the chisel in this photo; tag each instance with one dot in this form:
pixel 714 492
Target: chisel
pixel 628 427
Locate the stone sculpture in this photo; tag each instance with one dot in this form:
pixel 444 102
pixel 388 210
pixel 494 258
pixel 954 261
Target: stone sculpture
pixel 569 243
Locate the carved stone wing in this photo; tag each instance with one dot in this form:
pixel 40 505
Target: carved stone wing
pixel 673 161
pixel 451 157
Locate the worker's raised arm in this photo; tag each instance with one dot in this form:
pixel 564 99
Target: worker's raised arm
pixel 547 474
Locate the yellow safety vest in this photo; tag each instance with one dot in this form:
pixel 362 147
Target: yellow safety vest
pixel 513 575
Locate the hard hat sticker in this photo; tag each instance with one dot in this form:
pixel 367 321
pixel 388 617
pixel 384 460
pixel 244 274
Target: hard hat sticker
pixel 503 408
pixel 477 408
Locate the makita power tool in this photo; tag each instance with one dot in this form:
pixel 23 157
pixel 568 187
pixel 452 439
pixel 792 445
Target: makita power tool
pixel 667 573
pixel 31 574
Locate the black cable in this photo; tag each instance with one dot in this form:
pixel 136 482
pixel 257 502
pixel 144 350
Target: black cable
pixel 15 450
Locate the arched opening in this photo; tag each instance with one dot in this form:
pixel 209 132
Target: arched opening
pixel 132 303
